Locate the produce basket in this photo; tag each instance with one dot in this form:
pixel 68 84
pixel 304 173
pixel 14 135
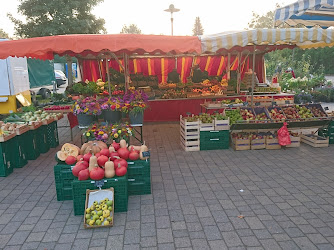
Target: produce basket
pixel 276 114
pixel 63 181
pixel 213 104
pixel 265 117
pixel 41 139
pixel 35 125
pixel 6 165
pixel 7 136
pixel 30 145
pixel 139 177
pixel 317 110
pixel 101 198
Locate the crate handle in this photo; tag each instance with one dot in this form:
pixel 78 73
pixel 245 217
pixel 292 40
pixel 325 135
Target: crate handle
pixel 214 131
pixel 131 162
pixel 131 179
pixel 4 158
pixel 217 139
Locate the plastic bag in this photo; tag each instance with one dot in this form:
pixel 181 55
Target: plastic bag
pixel 283 135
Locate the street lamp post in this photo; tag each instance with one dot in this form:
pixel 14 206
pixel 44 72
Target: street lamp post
pixel 172 9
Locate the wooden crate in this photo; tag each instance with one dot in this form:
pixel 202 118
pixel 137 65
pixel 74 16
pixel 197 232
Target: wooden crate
pixel 47 121
pixel 272 144
pixel 109 190
pixel 189 130
pixel 21 129
pixel 240 144
pixel 207 126
pixel 189 145
pixel 35 125
pixel 315 140
pixel 6 137
pixel 222 124
pixel 213 104
pixel 258 144
pixel 295 142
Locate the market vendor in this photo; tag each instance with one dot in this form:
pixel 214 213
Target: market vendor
pixel 198 75
pixel 173 77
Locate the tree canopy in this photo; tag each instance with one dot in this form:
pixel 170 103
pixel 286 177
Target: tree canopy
pixel 131 29
pixel 3 34
pixel 198 29
pixel 47 18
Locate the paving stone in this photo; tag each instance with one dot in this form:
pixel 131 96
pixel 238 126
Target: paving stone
pixel 231 239
pixel 115 242
pixel 30 245
pixel 66 238
pixel 254 223
pixel 212 233
pixel 217 244
pixel 18 238
pixel 164 235
pixel 200 244
pixel 35 237
pixel 182 242
pixel 64 246
pixel 81 244
pixel 132 236
pixel 166 246
pixel 148 241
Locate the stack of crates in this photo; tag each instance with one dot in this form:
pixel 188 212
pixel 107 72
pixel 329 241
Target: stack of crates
pixel 120 185
pixel 52 134
pixel 139 177
pixel 189 134
pixel 210 140
pixel 63 180
pixel 328 132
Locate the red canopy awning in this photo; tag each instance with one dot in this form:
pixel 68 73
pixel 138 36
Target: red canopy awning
pixel 83 44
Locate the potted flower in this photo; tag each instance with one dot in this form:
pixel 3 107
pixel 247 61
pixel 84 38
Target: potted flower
pixel 137 102
pixel 85 110
pixel 112 109
pixel 120 131
pixel 97 132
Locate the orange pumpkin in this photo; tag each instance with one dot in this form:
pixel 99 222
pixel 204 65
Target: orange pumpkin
pixel 93 147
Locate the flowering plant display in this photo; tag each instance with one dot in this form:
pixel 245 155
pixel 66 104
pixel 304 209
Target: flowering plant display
pixel 97 132
pixel 120 131
pixel 88 106
pixel 108 133
pixel 136 100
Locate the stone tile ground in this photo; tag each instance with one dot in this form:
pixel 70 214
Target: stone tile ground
pixel 196 202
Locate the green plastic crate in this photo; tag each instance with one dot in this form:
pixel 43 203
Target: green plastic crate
pixel 30 145
pixel 6 166
pixel 120 185
pixel 213 145
pixel 139 168
pixel 52 134
pixel 139 186
pixel 41 137
pixel 63 181
pixel 223 135
pixel 20 156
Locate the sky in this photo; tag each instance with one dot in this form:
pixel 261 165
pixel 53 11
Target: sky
pixel 150 17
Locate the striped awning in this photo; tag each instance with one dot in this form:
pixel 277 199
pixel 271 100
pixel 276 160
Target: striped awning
pixel 306 12
pixel 303 38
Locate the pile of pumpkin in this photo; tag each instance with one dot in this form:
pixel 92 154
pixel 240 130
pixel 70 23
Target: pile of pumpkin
pixel 95 160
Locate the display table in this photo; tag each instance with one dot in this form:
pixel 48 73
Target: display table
pixel 170 110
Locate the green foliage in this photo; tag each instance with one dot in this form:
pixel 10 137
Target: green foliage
pixel 131 29
pixel 3 34
pixel 47 18
pixel 198 29
pixel 85 89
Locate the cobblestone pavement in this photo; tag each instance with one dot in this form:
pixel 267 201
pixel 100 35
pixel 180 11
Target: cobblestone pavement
pixel 268 199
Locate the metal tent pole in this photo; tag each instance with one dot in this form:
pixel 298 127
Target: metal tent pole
pixel 108 75
pixel 69 70
pixel 253 76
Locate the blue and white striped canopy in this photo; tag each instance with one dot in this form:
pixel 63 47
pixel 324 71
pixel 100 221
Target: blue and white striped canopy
pixel 306 12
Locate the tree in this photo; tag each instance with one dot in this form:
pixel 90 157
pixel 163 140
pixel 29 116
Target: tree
pixel 132 29
pixel 198 29
pixel 47 18
pixel 3 34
